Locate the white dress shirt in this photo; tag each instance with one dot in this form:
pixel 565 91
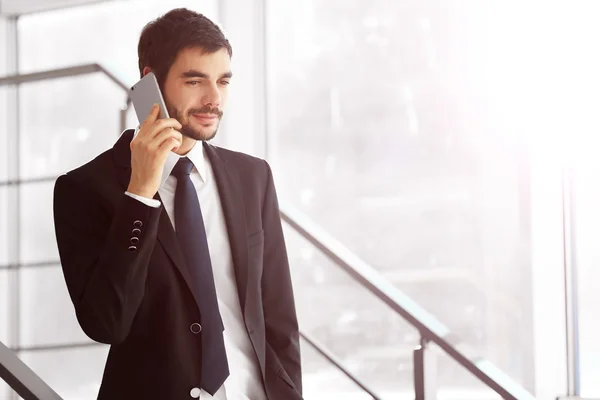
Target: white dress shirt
pixel 244 381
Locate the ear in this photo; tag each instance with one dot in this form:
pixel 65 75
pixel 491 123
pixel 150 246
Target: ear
pixel 146 71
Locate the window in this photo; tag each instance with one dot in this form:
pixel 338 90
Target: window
pixel 79 374
pixel 5 279
pixel 107 33
pixel 383 131
pixel 47 314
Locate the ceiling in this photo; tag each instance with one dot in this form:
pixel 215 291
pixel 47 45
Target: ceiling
pixel 18 7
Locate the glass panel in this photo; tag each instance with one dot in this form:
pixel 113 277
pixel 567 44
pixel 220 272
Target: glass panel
pixel 5 302
pixel 80 372
pixel 579 112
pixel 456 383
pixel 75 120
pixel 47 314
pixel 5 98
pixel 381 132
pixel 4 101
pixel 5 391
pixel 107 33
pixel 587 223
pixel 4 255
pixel 369 338
pixel 321 380
pixel 38 240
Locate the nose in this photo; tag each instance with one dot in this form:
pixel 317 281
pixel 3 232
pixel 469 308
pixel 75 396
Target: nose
pixel 212 96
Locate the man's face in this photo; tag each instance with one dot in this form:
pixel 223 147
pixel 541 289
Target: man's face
pixel 195 91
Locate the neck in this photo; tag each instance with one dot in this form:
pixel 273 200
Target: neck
pixel 187 144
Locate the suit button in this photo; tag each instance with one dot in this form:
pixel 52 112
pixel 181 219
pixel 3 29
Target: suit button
pixel 136 232
pixel 195 393
pixel 135 240
pixel 132 248
pixel 138 224
pixel 195 328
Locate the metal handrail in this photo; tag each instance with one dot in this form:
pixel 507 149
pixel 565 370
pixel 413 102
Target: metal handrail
pixel 68 72
pixel 322 350
pixel 22 379
pixel 430 328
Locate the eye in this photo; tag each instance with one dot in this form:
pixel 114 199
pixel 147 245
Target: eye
pixel 225 83
pixel 193 83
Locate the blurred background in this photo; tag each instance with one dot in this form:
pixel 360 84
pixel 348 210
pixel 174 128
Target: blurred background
pixel 449 147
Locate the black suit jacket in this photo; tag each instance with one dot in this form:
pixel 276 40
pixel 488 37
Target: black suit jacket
pixel 140 300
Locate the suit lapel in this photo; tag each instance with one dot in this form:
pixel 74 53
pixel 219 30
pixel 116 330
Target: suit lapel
pixel 166 234
pixel 232 201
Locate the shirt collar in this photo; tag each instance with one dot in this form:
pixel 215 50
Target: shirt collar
pixel 196 156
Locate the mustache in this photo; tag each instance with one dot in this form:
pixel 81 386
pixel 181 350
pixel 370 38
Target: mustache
pixel 207 109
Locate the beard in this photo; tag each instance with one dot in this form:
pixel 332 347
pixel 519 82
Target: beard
pixel 207 132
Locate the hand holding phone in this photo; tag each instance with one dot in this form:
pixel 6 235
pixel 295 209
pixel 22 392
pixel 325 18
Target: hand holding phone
pixel 144 94
pixel 149 149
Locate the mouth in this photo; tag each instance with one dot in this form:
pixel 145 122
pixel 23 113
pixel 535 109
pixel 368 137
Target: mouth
pixel 205 118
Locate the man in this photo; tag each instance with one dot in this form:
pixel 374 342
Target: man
pixel 172 249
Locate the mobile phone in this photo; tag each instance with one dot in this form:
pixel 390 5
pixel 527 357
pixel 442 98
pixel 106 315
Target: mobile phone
pixel 144 94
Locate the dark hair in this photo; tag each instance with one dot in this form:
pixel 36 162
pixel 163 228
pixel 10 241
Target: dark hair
pixel 161 40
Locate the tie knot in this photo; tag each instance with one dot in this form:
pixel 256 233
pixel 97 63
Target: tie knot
pixel 183 167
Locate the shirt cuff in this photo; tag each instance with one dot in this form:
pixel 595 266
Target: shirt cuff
pixel 149 202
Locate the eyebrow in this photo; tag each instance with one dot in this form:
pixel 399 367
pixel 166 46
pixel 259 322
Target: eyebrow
pixel 197 74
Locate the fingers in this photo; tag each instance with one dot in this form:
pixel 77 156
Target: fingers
pixel 163 124
pixel 165 135
pixel 153 146
pixel 152 126
pixel 168 142
pixel 154 132
pixel 151 118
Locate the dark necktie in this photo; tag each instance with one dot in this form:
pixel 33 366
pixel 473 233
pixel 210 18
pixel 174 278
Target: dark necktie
pixel 192 237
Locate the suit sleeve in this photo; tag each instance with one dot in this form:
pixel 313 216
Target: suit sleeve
pixel 104 266
pixel 281 322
